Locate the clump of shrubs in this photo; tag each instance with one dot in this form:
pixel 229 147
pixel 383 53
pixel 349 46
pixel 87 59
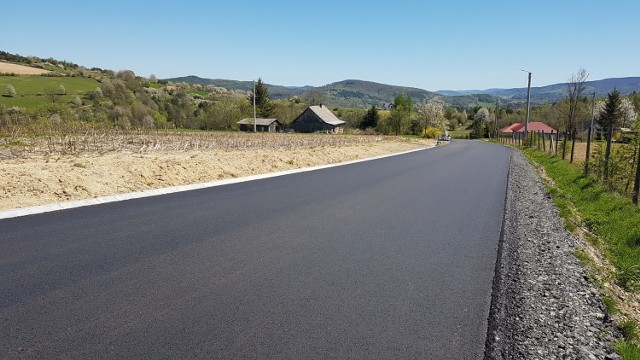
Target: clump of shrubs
pixel 431 133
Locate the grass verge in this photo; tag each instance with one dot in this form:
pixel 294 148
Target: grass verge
pixel 612 218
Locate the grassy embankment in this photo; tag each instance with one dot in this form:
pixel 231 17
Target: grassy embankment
pixel 610 223
pixel 32 91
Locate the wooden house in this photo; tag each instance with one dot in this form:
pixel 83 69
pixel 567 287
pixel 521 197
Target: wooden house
pixel 318 119
pixel 262 125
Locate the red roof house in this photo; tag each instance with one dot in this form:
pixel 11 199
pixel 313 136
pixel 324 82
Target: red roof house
pixel 534 126
pixel 509 129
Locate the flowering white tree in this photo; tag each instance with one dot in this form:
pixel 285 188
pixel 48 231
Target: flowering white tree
pixel 628 112
pixel 431 114
pixel 10 91
pixel 482 115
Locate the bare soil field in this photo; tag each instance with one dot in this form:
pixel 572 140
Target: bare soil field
pixel 45 170
pixel 7 68
pixel 580 151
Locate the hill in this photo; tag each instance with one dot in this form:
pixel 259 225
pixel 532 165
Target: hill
pixel 359 93
pixel 276 91
pixel 347 93
pixel 556 92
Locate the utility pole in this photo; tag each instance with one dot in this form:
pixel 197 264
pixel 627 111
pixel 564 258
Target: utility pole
pixel 255 128
pixel 593 110
pixel 590 138
pixel 526 124
pixel 496 120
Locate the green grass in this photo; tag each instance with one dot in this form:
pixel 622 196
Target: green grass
pixel 459 134
pixel 615 223
pixel 30 90
pixel 629 330
pixel 627 350
pixel 582 257
pixel 611 305
pixel 610 216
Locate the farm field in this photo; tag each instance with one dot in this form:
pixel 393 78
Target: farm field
pixel 31 90
pixel 8 68
pixel 42 170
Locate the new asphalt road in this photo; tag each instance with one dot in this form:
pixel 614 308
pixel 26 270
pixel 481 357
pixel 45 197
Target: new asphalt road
pixel 386 259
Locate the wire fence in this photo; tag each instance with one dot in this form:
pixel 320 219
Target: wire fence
pixel 613 163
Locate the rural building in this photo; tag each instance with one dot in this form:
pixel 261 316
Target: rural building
pixel 262 125
pixel 534 126
pixel 318 119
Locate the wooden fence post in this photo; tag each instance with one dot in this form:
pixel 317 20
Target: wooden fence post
pixel 539 141
pixel 588 154
pixel 573 143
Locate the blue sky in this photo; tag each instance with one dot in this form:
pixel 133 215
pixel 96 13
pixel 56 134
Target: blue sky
pixel 432 45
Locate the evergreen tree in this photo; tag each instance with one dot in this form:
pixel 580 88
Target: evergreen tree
pixel 608 120
pixel 611 112
pixel 264 107
pixel 370 119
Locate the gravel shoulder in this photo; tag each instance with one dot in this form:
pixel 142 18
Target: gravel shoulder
pixel 543 305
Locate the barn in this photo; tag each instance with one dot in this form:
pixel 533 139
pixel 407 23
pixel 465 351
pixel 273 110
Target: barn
pixel 262 125
pixel 318 119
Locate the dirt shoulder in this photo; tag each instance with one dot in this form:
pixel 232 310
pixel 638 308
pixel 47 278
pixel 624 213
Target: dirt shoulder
pixel 39 179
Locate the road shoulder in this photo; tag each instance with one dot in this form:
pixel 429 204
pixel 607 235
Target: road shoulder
pixel 543 305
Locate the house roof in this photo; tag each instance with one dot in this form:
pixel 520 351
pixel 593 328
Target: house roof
pixel 509 129
pixel 326 115
pixel 259 121
pixel 534 126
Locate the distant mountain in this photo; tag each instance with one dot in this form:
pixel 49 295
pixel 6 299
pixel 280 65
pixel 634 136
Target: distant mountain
pixel 360 94
pixel 276 91
pixel 347 93
pixel 556 92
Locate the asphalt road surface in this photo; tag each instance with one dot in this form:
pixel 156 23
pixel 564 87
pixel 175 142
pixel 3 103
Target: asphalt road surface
pixel 392 258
